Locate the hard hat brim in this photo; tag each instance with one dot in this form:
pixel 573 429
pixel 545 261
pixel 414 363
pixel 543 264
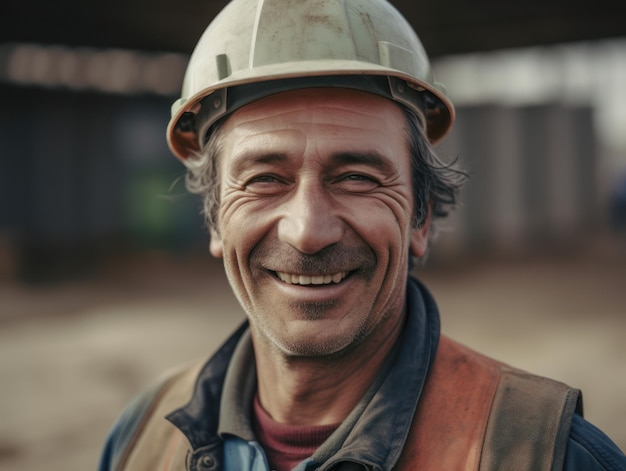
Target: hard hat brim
pixel 185 141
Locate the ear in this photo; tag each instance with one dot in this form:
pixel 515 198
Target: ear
pixel 419 238
pixel 215 246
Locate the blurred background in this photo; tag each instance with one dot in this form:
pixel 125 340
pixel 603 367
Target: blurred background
pixel 105 277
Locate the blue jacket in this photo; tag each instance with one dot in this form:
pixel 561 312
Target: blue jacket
pixel 212 431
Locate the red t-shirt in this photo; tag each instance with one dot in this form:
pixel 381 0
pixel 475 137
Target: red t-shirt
pixel 286 445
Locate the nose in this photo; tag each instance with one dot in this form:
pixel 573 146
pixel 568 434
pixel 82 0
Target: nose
pixel 309 222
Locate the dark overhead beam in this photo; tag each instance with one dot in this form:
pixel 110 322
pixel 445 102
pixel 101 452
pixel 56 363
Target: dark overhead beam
pixel 445 26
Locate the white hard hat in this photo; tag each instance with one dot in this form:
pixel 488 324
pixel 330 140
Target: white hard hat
pixel 255 48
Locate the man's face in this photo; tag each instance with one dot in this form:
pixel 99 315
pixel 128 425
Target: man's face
pixel 315 218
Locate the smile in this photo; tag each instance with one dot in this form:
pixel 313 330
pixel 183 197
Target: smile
pixel 311 280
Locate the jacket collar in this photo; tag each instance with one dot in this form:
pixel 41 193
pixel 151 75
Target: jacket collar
pixel 372 435
pixel 198 420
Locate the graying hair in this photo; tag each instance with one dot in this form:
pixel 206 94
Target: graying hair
pixel 203 175
pixel 436 184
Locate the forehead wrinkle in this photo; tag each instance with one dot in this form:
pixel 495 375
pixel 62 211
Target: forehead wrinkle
pixel 255 149
pixel 242 139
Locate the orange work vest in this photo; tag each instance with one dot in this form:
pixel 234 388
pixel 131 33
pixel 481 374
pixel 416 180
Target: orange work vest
pixel 475 414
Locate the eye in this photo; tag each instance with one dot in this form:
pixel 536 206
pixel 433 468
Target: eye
pixel 265 184
pixel 263 179
pixel 359 178
pixel 357 182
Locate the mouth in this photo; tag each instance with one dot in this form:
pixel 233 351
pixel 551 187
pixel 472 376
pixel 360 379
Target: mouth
pixel 304 280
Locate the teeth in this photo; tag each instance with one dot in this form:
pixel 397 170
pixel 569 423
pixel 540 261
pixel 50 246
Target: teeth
pixel 311 280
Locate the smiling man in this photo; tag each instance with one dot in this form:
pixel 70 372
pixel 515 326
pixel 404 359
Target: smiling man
pixel 307 127
pixel 316 184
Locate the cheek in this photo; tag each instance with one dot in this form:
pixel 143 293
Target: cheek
pixel 387 233
pixel 244 226
pixel 388 218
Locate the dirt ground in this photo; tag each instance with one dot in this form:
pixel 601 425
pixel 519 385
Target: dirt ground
pixel 72 354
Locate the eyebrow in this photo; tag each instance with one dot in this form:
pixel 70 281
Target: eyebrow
pixel 242 161
pixel 369 158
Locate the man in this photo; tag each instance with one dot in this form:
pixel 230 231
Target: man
pixel 307 127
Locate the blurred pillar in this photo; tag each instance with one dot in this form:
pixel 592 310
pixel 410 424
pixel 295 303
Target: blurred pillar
pixel 532 184
pixel 559 174
pixel 493 216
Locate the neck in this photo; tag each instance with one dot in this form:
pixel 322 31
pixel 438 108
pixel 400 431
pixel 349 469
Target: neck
pixel 320 390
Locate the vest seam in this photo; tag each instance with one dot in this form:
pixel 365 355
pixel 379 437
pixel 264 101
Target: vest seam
pixel 494 390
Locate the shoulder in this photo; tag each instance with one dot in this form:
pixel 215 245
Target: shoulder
pixel 589 449
pixel 519 393
pixel 141 408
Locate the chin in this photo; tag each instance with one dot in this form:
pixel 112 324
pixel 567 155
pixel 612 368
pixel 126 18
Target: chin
pixel 328 344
